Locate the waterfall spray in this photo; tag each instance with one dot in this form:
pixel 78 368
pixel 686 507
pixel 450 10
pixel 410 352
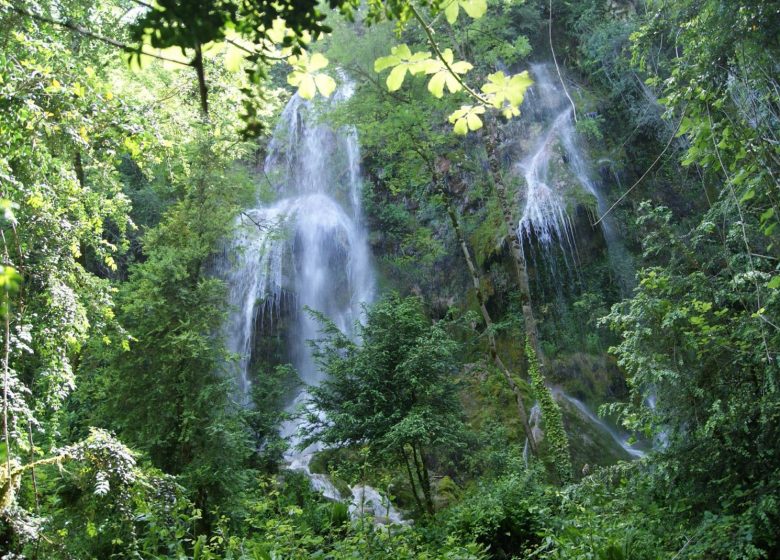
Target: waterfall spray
pixel 309 248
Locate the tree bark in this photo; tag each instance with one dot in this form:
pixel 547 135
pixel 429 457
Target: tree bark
pixel 519 262
pixel 411 480
pixel 197 62
pixel 422 477
pixel 475 279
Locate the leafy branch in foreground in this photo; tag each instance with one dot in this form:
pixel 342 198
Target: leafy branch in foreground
pixel 501 92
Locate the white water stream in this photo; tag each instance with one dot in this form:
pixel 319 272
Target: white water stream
pixel 545 221
pixel 309 248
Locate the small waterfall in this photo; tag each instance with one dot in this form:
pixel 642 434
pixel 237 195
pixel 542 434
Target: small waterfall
pixel 620 439
pixel 556 173
pixel 553 171
pixel 545 218
pixel 308 249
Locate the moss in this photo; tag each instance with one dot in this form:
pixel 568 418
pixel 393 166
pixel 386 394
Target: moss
pixel 577 197
pixel 446 492
pixel 487 398
pixel 592 379
pixel 487 238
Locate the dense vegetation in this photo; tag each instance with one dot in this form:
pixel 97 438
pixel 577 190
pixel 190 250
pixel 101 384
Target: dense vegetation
pixel 131 141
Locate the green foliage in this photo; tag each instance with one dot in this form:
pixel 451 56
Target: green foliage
pixel 171 307
pixel 555 435
pixel 394 392
pixel 505 514
pixel 611 515
pixel 116 195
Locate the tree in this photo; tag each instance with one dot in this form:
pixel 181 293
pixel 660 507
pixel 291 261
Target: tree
pixel 394 392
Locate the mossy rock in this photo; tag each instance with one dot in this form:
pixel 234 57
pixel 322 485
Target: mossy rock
pixel 594 380
pixel 445 492
pixel 487 398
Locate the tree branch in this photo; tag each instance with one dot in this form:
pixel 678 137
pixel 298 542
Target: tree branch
pixel 75 28
pixel 429 32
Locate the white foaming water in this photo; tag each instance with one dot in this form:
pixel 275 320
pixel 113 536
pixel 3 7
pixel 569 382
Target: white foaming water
pixel 545 220
pixel 309 248
pixel 367 501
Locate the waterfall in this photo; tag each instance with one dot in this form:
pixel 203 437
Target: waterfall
pixel 555 169
pixel 545 219
pixel 307 249
pixel 620 439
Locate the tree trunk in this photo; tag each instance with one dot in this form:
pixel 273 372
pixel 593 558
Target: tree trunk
pixel 520 267
pixel 422 477
pixel 475 278
pixel 411 480
pixel 203 91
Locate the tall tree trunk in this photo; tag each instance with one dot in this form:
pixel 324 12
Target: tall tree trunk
pixel 203 91
pixel 411 480
pixel 475 279
pixel 422 477
pixel 518 259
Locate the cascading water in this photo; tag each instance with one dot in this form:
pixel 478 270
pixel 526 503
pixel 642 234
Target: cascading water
pixel 308 249
pixel 545 221
pixel 620 439
pixel 553 171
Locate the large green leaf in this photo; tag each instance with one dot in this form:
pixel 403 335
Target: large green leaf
pixel 442 75
pixel 474 8
pixel 401 60
pixel 502 89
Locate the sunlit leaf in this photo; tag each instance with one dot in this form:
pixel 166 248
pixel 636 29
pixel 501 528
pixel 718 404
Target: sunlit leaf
pixel 234 56
pixel 467 118
pixel 502 90
pixel 442 75
pixel 306 75
pixel 317 62
pixel 325 84
pixel 401 60
pixel 396 78
pixel 474 8
pixel 278 31
pixel 436 84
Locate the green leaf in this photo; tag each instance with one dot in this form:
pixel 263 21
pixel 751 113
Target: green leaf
pixel 384 62
pixel 325 84
pixel 401 60
pixel 474 8
pixel 474 122
pixel 436 85
pixel 467 118
pixel 317 62
pixel 442 75
pixel 306 75
pixel 501 89
pixel 748 195
pixel 396 78
pixel 774 283
pixel 234 57
pixel 451 12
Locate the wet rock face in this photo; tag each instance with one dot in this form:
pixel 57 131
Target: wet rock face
pixel 591 379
